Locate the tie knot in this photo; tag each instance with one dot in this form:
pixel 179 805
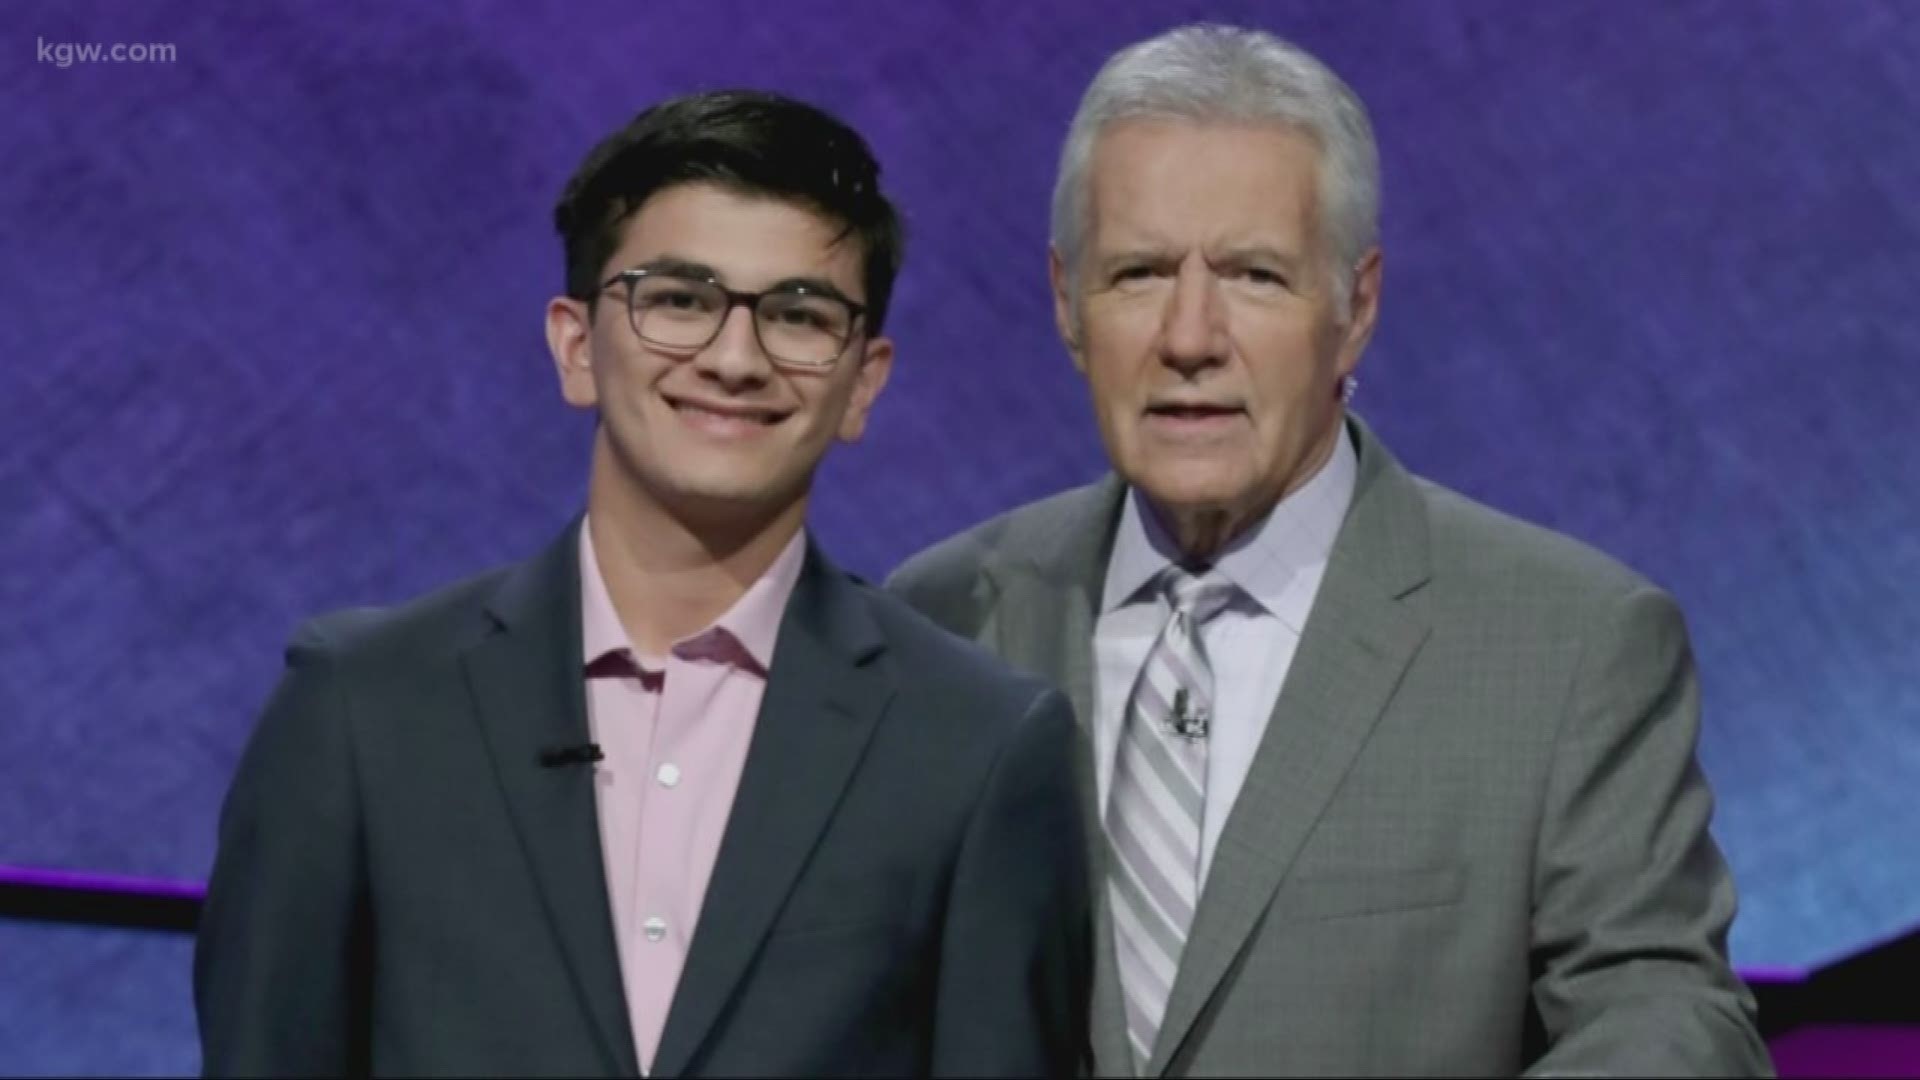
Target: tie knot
pixel 1200 596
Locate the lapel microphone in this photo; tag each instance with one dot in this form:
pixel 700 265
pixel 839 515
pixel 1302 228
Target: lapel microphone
pixel 1186 721
pixel 560 757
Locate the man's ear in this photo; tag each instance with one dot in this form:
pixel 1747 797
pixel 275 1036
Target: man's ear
pixel 570 340
pixel 876 364
pixel 1363 311
pixel 1066 319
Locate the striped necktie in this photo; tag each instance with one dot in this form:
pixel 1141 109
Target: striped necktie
pixel 1155 803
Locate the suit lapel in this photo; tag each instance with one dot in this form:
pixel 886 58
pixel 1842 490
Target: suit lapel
pixel 526 678
pixel 1357 644
pixel 1048 586
pixel 1045 626
pixel 1049 590
pixel 825 693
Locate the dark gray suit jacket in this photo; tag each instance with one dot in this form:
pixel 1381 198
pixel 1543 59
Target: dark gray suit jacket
pixel 402 887
pixel 1473 839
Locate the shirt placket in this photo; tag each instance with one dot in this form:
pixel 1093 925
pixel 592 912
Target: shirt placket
pixel 662 837
pixel 625 771
pixel 633 695
pixel 664 917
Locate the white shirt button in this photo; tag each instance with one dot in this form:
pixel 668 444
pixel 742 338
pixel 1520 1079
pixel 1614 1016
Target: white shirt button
pixel 668 774
pixel 655 928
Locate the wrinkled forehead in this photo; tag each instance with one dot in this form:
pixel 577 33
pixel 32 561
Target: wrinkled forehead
pixel 1202 182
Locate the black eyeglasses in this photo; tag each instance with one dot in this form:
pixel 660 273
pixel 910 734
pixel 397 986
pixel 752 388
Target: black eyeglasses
pixel 795 325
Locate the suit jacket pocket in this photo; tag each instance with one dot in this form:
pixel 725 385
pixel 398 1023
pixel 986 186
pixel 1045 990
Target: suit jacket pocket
pixel 1348 894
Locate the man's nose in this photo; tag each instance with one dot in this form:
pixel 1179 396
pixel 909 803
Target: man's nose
pixel 1193 327
pixel 734 357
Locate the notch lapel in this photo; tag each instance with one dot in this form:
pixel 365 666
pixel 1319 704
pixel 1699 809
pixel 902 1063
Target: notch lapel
pixel 526 679
pixel 1049 586
pixel 825 694
pixel 1358 643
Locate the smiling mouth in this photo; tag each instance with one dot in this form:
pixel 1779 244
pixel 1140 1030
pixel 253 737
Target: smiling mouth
pixel 707 415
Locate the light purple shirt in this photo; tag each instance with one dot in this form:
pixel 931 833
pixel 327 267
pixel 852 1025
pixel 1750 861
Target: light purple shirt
pixel 1277 565
pixel 674 730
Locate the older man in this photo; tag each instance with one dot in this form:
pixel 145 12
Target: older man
pixel 1390 783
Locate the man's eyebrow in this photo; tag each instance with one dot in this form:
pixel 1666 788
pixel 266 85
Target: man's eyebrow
pixel 815 286
pixel 1143 253
pixel 1258 253
pixel 674 266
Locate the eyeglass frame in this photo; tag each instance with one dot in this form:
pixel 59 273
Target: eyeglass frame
pixel 632 277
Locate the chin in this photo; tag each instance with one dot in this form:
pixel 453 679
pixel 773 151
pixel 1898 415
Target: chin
pixel 724 492
pixel 737 494
pixel 1193 486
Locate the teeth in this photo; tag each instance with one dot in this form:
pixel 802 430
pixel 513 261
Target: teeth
pixel 757 418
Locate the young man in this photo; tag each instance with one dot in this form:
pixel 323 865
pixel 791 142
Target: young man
pixel 676 795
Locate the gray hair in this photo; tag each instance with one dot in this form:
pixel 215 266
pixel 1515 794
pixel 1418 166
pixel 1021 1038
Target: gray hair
pixel 1209 72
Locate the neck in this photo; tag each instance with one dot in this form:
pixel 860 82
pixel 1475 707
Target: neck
pixel 672 571
pixel 1202 532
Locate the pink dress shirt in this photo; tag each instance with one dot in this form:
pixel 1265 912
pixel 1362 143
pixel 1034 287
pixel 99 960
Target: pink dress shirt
pixel 674 730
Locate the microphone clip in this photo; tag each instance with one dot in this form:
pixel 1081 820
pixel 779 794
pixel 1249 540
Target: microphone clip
pixel 1186 720
pixel 560 757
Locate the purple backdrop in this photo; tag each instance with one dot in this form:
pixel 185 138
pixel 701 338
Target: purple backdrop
pixel 272 346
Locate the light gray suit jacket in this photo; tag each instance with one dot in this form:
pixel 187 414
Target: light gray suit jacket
pixel 1473 840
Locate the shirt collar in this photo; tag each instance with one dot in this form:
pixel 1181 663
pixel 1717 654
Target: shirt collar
pixel 1269 562
pixel 753 621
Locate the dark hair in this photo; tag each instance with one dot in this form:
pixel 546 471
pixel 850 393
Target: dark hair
pixel 747 140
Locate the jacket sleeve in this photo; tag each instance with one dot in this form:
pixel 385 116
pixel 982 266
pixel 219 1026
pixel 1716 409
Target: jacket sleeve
pixel 282 963
pixel 1632 900
pixel 1016 947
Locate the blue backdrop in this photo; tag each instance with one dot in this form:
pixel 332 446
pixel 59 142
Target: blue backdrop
pixel 271 345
